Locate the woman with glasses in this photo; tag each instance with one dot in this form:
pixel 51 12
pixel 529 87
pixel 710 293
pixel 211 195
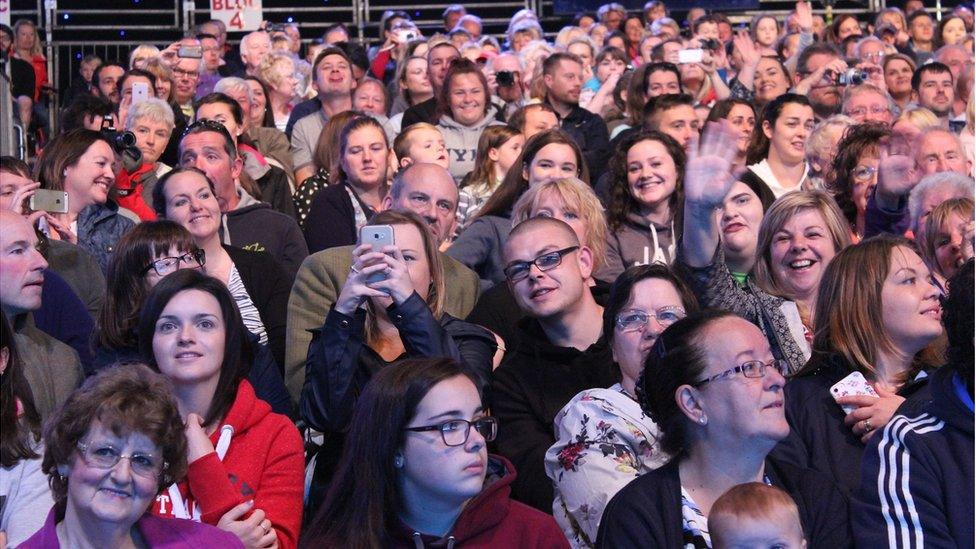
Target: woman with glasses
pixel 715 391
pixel 147 254
pixel 855 172
pixel 390 308
pixel 111 449
pixel 417 473
pixel 604 438
pixel 258 283
pixel 878 315
pixel 245 463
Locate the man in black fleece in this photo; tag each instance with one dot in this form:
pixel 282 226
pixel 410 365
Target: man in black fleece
pixel 560 351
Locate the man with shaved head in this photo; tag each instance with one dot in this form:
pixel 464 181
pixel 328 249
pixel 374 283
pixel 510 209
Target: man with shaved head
pixel 559 351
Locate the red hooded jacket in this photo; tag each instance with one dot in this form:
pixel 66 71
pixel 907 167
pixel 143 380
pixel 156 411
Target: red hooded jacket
pixel 264 463
pixel 492 519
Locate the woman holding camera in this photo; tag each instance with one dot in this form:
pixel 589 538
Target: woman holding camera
pixel 390 308
pixel 81 163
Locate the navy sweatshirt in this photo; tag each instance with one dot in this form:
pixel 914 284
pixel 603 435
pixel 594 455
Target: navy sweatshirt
pixel 917 477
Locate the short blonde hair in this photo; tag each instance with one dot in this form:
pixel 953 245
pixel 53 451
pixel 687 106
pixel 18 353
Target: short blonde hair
pixel 267 70
pixel 152 109
pixel 574 193
pixel 756 501
pixel 143 52
pixel 403 141
pixel 920 117
pixel 781 211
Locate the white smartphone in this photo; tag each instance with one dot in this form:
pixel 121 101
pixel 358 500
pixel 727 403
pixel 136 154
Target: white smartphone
pixel 140 92
pixel 378 236
pixel 691 56
pixel 852 385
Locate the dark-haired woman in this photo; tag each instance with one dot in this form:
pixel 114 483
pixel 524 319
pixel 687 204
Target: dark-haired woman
pixel 604 439
pixel 878 314
pixel 546 156
pixel 258 283
pixel 23 486
pixel 246 463
pixel 374 324
pixel 645 198
pixel 80 163
pixel 777 154
pixel 337 213
pixel 465 108
pixel 741 115
pixel 145 255
pixel 717 395
pixel 855 172
pixel 416 471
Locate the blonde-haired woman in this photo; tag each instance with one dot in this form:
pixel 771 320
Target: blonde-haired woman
pixel 27 46
pixel 277 71
pixel 141 54
pixel 799 236
pixel 878 315
pixel 947 242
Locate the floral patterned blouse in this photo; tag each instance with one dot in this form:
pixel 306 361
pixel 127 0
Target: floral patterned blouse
pixel 603 441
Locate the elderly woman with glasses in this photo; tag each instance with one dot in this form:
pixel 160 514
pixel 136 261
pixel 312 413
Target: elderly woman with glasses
pixel 110 450
pixel 712 386
pixel 604 439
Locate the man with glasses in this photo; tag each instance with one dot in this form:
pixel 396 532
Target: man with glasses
pixel 868 103
pixel 186 75
pixel 560 350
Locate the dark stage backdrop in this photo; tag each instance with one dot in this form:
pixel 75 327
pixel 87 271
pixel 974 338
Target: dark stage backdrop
pixel 572 6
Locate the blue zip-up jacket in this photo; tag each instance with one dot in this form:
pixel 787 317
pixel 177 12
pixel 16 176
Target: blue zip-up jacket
pixel 917 477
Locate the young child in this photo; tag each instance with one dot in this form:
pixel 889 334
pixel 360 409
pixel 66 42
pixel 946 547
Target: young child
pixel 755 515
pixel 420 143
pixel 498 149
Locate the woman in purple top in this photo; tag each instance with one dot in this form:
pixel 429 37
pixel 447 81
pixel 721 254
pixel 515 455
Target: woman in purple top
pixel 111 449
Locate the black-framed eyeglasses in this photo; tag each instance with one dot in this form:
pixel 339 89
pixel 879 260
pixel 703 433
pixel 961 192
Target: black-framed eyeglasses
pixel 455 432
pixel 106 456
pixel 752 369
pixel 166 265
pixel 630 320
pixel 519 271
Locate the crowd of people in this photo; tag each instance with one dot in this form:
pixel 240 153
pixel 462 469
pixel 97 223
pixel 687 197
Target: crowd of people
pixel 641 283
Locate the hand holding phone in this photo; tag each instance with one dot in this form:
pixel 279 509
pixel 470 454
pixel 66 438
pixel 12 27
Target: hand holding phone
pixel 852 385
pixel 376 236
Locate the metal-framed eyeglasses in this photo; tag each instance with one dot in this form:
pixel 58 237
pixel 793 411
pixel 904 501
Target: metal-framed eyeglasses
pixel 630 320
pixel 166 265
pixel 519 271
pixel 752 369
pixel 455 432
pixel 106 456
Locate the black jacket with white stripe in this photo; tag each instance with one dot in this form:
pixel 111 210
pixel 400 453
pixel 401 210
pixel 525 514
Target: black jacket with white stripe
pixel 917 477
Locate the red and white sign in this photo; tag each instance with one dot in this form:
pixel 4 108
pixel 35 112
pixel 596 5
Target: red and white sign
pixel 238 15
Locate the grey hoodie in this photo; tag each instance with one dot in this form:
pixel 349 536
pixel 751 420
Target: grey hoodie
pixel 637 242
pixel 462 141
